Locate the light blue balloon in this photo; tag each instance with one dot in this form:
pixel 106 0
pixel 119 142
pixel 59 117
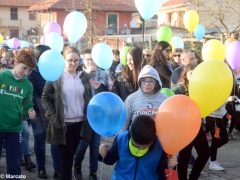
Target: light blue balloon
pixel 75 25
pixel 199 32
pixel 54 41
pixel 106 113
pixel 102 55
pixel 24 44
pixel 177 42
pixel 51 65
pixel 148 8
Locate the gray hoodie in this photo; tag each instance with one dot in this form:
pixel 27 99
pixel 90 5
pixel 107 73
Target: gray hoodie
pixel 140 103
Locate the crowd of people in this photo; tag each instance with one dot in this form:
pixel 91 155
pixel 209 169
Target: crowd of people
pixel 57 113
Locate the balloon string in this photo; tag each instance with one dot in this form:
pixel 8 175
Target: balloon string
pixel 102 164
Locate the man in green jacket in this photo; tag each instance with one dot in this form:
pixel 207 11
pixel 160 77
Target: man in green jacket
pixel 15 104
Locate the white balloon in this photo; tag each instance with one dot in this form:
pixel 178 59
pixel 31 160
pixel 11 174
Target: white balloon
pixel 75 25
pixel 54 41
pixel 177 42
pixel 102 55
pixel 148 8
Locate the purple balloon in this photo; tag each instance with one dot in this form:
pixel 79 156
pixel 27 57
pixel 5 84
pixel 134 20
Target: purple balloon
pixel 233 55
pixel 14 43
pixel 52 27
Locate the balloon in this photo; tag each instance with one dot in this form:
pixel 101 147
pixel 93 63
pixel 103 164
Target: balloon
pixel 24 44
pixel 199 32
pixel 75 25
pixel 52 27
pixel 1 38
pixel 228 41
pixel 51 65
pixel 106 113
pixel 178 122
pixel 210 85
pixel 42 40
pixel 168 92
pixel 213 50
pixel 54 41
pixel 148 9
pixel 13 43
pixel 123 54
pixel 190 20
pixel 164 33
pixel 177 42
pixel 233 54
pixel 102 55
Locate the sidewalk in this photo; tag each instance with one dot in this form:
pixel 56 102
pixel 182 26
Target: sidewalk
pixel 228 157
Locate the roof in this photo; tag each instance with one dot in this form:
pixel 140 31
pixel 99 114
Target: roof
pixel 173 3
pixel 103 5
pixel 17 3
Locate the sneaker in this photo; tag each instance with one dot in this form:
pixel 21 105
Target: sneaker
pixel 231 136
pixel 56 175
pixel 42 174
pixel 93 176
pixel 215 166
pixel 78 172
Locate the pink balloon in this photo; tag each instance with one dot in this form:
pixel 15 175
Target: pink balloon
pixel 233 54
pixel 13 43
pixel 52 27
pixel 42 40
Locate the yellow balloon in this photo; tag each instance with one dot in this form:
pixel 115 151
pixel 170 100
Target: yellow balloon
pixel 213 50
pixel 210 85
pixel 228 41
pixel 191 20
pixel 1 38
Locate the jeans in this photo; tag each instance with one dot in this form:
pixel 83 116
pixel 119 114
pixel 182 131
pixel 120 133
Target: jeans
pixel 201 145
pixel 25 138
pixel 39 134
pixel 12 141
pixel 93 153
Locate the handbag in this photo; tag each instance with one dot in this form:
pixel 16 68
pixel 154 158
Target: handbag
pixel 171 174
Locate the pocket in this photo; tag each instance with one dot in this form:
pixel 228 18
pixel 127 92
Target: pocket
pixel 85 131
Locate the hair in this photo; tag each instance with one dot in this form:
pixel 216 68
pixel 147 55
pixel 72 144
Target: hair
pixel 143 130
pixel 70 49
pixel 147 50
pixel 162 45
pixel 39 50
pixel 176 50
pixel 87 51
pixel 26 56
pixel 132 76
pixel 183 77
pixel 116 51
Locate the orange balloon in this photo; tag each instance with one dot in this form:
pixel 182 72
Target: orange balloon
pixel 178 122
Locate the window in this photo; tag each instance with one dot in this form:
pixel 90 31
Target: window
pixel 14 13
pixel 112 24
pixel 14 33
pixel 32 16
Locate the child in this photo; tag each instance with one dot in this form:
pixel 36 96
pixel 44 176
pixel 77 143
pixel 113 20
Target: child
pixel 137 152
pixel 15 103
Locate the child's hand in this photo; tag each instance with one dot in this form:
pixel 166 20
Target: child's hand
pixel 31 113
pixel 172 161
pixel 103 149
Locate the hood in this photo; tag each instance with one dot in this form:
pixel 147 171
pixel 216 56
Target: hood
pixel 149 71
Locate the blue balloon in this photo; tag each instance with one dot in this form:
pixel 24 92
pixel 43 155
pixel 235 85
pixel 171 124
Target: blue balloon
pixel 51 65
pixel 102 55
pixel 199 32
pixel 24 44
pixel 106 113
pixel 54 41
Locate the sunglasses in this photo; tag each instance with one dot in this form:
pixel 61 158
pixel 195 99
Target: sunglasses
pixel 176 55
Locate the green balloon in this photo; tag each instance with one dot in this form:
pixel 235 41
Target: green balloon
pixel 168 92
pixel 123 55
pixel 164 33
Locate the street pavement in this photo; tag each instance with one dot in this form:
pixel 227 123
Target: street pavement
pixel 228 157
